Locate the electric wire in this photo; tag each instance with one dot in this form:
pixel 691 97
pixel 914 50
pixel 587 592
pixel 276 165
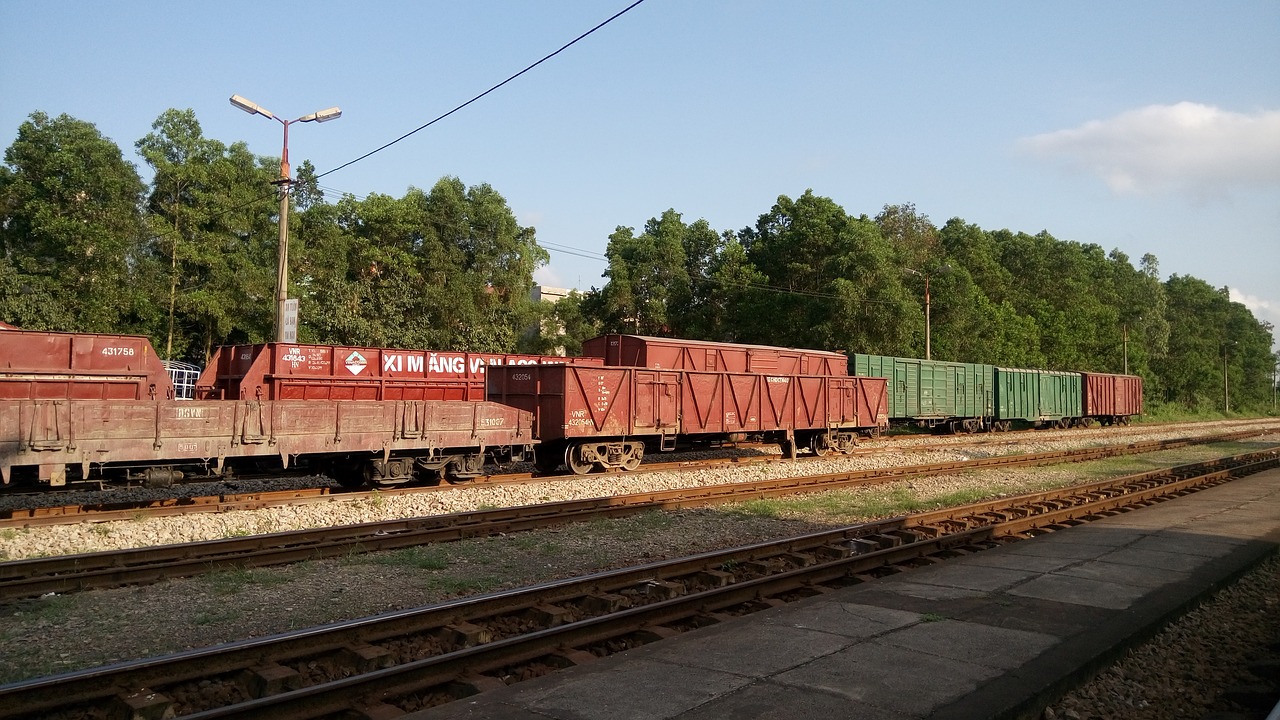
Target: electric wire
pixel 564 47
pixel 556 247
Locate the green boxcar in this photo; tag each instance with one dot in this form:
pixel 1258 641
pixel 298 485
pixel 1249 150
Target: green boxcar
pixel 1038 396
pixel 932 392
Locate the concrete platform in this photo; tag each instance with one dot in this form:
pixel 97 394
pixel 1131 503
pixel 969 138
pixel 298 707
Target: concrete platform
pixel 995 635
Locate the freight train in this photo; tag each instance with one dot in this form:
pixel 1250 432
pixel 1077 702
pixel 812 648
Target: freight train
pixel 971 397
pixel 80 407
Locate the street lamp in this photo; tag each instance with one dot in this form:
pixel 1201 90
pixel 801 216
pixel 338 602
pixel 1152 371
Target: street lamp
pixel 928 351
pixel 1126 344
pixel 282 272
pixel 1226 387
pixel 1126 348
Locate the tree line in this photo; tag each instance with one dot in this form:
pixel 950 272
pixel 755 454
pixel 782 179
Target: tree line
pixel 189 259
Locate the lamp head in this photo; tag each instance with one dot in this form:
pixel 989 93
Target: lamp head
pixel 332 113
pixel 251 107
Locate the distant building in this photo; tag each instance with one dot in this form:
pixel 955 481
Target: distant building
pixel 541 293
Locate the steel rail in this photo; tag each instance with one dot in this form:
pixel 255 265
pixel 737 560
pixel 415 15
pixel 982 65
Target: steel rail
pixel 815 559
pixel 74 573
pixel 167 507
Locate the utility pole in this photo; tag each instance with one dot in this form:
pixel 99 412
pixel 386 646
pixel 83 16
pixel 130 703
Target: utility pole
pixel 284 181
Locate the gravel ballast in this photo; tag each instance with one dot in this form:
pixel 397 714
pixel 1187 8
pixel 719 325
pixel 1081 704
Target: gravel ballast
pixel 139 622
pixel 147 532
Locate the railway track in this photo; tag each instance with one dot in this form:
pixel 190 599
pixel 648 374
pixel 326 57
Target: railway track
pixel 390 664
pixel 109 511
pixel 73 573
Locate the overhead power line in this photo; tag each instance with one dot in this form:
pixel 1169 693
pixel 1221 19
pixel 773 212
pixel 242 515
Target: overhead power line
pixel 564 47
pixel 567 250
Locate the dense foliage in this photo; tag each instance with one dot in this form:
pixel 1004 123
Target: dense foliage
pixel 808 274
pixel 190 261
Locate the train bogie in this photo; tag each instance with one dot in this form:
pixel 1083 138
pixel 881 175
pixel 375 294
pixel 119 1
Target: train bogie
pixel 697 355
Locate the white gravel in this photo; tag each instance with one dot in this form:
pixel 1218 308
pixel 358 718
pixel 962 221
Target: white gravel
pixel 145 532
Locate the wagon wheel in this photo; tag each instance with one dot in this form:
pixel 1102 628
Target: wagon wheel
pixel 788 448
pixel 464 469
pixel 634 454
pixel 575 462
pixel 818 444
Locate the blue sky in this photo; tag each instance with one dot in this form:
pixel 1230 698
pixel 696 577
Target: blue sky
pixel 1151 127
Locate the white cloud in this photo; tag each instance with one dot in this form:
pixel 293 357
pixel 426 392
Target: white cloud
pixel 545 275
pixel 1261 308
pixel 1188 147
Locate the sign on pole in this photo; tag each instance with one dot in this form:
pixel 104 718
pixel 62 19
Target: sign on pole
pixel 291 320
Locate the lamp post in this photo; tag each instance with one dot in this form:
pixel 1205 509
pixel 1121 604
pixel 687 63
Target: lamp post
pixel 1226 387
pixel 1126 348
pixel 928 350
pixel 1125 327
pixel 282 272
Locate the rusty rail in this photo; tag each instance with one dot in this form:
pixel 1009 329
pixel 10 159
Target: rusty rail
pixel 73 573
pixel 561 623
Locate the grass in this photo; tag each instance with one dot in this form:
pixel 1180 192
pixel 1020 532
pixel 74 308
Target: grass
pixel 53 608
pixel 461 585
pixel 845 506
pixel 633 527
pixel 851 506
pixel 532 543
pixel 235 580
pixel 422 557
pixel 1205 411
pixel 216 618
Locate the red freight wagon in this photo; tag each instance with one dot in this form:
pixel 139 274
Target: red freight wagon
pixel 675 354
pixel 80 366
pixel 57 441
pixel 282 371
pixel 1112 399
pixel 592 418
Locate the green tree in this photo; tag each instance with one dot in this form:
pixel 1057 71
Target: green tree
pixel 211 210
pixel 649 288
pixel 497 259
pixel 449 269
pixel 915 240
pixel 836 282
pixel 70 229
